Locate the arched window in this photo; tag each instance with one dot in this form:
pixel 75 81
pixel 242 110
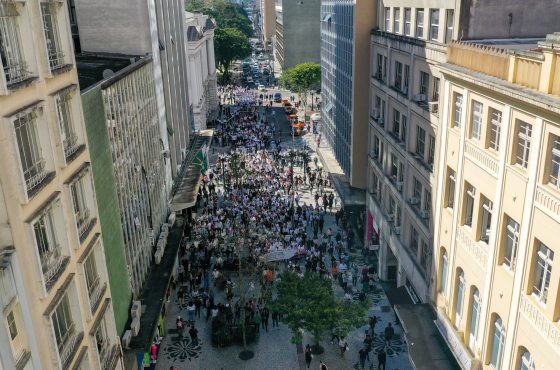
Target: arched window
pixel 460 297
pixel 527 362
pixel 475 316
pixel 498 340
pixel 444 269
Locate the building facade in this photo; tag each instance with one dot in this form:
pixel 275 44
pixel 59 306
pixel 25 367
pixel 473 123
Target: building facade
pixel 268 20
pixel 56 306
pixel 345 39
pixel 497 224
pixel 298 32
pixel 203 90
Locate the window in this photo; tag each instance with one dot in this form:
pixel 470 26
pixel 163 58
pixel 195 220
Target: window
pixel 420 141
pixel 30 154
pixel 495 129
pixel 394 167
pixel 424 255
pixel 449 14
pixel 527 362
pixel 424 83
pixel 554 176
pixel 92 275
pixel 64 114
pixel 50 26
pixel 401 172
pixel 476 125
pixel 398 75
pixel 417 189
pixel 387 19
pixel 406 78
pixel 431 150
pixel 450 188
pixel 486 219
pixel 420 23
pixel 497 344
pixel 384 76
pixel 102 341
pixel 63 324
pixel 379 73
pixel 523 143
pixel 475 317
pixel 435 91
pixel 11 321
pixel 403 128
pixel 511 243
pixel 543 270
pixel 47 243
pixel 469 204
pixel 396 123
pixel 407 22
pixel 11 51
pixel 81 209
pixel 397 20
pixel 7 286
pixel 427 207
pixel 460 297
pixel 434 24
pixel 444 271
pixel 458 110
pixel 376 147
pixel 414 237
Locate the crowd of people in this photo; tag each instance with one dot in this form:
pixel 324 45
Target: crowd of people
pixel 250 215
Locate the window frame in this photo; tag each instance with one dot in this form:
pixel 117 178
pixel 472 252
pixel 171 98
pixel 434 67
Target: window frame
pixel 449 25
pixel 523 143
pixel 547 257
pixel 419 26
pixel 434 13
pixel 494 129
pixel 387 19
pixel 554 163
pixel 397 20
pixel 511 243
pixel 407 21
pixel 458 111
pixel 477 115
pixel 470 199
pixel 451 184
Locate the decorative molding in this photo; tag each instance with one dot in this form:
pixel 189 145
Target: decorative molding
pixel 542 324
pixel 479 253
pixel 480 157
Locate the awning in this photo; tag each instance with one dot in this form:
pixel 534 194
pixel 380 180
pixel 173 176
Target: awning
pixel 186 190
pixel 423 338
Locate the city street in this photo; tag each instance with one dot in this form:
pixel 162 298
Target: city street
pixel 273 349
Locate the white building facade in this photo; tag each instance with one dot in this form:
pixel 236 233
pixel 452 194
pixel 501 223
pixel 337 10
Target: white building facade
pixel 199 32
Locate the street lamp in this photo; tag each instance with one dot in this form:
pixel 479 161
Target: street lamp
pixel 313 92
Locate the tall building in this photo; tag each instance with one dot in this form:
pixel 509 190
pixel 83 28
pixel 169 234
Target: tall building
pixel 57 310
pixel 268 20
pixel 345 36
pixel 202 84
pixel 298 32
pixel 497 203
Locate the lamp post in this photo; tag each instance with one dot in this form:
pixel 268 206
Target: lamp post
pixel 313 92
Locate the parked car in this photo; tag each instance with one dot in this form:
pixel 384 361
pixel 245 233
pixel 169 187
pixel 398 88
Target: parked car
pixel 261 87
pixel 277 97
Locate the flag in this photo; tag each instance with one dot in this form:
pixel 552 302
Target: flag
pixel 201 159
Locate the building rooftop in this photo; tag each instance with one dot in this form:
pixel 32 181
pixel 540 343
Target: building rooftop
pixel 91 67
pixel 510 44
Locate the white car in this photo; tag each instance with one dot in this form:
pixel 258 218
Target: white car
pixel 316 117
pixel 261 87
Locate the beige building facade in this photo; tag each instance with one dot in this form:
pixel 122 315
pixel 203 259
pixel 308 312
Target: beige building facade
pixel 56 306
pixel 498 202
pixel 268 16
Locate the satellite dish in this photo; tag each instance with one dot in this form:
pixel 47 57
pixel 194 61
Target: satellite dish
pixel 108 73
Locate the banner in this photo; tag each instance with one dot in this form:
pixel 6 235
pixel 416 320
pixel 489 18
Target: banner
pixel 284 254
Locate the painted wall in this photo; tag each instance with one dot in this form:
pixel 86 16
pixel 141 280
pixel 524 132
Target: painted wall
pixel 107 204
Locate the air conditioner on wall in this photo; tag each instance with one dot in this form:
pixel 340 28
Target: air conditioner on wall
pixel 397 230
pixel 399 185
pixel 375 113
pixel 425 214
pixel 433 106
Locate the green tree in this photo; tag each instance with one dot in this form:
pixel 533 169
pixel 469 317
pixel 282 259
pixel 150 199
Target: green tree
pixel 302 79
pixel 309 303
pixel 230 45
pixel 226 15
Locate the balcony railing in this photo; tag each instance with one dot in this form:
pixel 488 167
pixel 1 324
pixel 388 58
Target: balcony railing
pixel 35 174
pixel 71 145
pixel 56 59
pixel 84 223
pixel 52 268
pixel 108 356
pixel 16 73
pixel 22 358
pixel 69 349
pixel 96 294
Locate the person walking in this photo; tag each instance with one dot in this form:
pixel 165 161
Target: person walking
pixel 265 314
pixel 342 345
pixel 389 332
pixel 308 355
pixel 381 359
pixel 372 321
pixel 257 320
pixel 323 366
pixel 363 356
pixel 193 332
pixel 181 296
pixel 275 316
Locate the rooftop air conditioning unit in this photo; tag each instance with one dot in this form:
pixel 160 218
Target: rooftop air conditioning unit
pixel 126 338
pixel 135 327
pixel 419 97
pixel 433 106
pixel 136 309
pixel 413 200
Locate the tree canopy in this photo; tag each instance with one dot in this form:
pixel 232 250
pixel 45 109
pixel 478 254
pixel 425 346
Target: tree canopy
pixel 302 78
pixel 309 303
pixel 230 45
pixel 226 14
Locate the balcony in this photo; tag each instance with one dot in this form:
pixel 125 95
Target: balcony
pixel 96 293
pixel 475 249
pixel 69 349
pixel 53 265
pixel 22 358
pixel 108 356
pixel 481 157
pixel 85 224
